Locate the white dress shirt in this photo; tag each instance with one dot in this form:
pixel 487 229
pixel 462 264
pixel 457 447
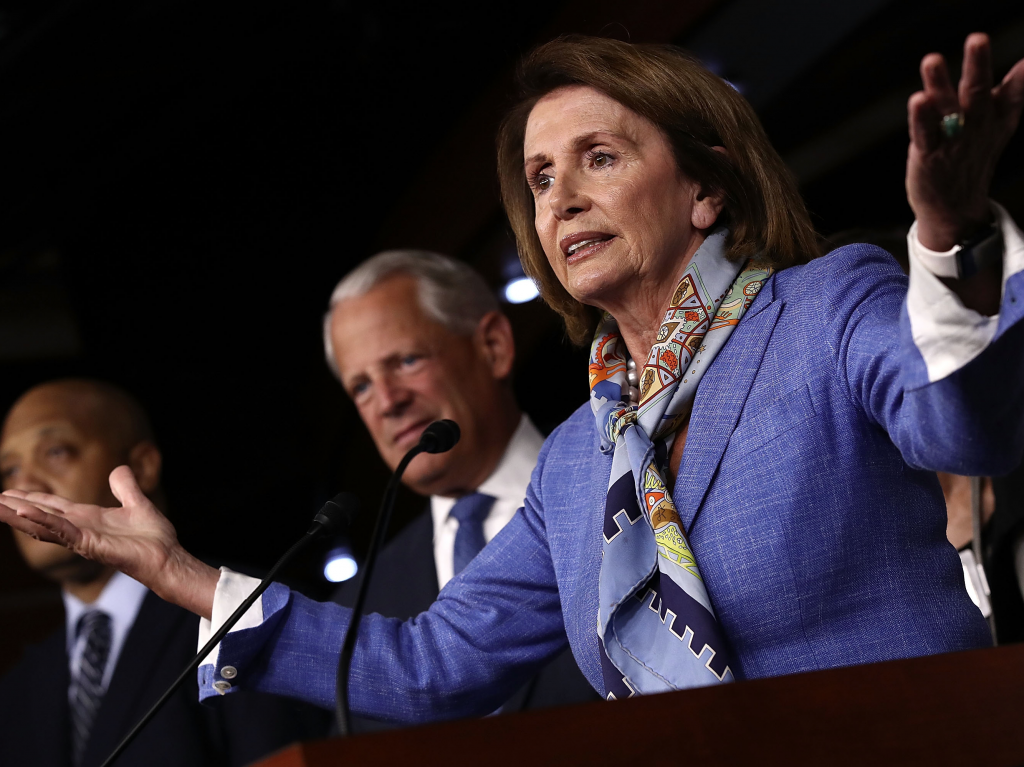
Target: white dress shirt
pixel 121 599
pixel 507 483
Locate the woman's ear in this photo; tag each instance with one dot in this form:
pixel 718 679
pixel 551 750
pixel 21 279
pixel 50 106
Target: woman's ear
pixel 146 462
pixel 495 342
pixel 709 203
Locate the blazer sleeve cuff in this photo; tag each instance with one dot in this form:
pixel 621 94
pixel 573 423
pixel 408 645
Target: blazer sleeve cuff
pixel 947 334
pixel 222 670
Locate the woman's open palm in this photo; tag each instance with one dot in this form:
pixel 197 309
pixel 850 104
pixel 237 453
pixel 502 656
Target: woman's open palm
pixel 134 538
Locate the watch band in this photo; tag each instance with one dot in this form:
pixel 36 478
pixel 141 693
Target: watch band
pixel 980 251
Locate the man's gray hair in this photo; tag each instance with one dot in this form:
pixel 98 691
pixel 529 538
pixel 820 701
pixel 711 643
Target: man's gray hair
pixel 450 292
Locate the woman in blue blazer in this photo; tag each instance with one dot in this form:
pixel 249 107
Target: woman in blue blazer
pixel 750 490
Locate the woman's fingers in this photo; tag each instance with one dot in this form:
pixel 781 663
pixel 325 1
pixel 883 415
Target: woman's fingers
pixel 937 85
pixel 54 503
pixel 924 123
pixel 10 517
pixel 1008 97
pixel 125 488
pixel 975 89
pixel 59 527
pixel 41 524
pixel 21 504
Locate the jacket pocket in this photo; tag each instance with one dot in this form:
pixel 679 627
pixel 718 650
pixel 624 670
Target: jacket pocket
pixel 773 421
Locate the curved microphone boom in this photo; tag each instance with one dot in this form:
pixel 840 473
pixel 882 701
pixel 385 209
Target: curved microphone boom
pixel 439 437
pixel 337 514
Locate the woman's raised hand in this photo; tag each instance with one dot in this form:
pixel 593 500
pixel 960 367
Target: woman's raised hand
pixel 948 176
pixel 134 538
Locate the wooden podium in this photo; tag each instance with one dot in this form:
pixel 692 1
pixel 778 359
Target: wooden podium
pixel 959 709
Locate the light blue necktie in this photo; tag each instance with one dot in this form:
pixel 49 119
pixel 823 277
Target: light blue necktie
pixel 471 511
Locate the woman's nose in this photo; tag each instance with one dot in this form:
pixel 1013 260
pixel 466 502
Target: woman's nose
pixel 566 198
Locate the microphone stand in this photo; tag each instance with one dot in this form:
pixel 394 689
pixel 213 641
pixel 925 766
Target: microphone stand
pixel 333 515
pixel 439 437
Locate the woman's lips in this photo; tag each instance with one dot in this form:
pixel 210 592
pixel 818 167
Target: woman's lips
pixel 588 250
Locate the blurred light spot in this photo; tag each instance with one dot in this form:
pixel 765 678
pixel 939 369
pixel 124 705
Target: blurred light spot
pixel 340 565
pixel 520 290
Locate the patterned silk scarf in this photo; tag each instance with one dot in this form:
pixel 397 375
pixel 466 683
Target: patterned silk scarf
pixel 657 628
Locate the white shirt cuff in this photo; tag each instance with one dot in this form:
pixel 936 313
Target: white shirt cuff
pixel 232 589
pixel 947 333
pixel 940 264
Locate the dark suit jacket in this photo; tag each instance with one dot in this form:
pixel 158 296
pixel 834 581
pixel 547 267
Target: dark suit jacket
pixel 405 584
pixel 34 718
pixel 1001 533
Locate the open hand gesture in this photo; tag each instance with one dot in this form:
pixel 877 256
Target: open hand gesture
pixel 956 138
pixel 134 538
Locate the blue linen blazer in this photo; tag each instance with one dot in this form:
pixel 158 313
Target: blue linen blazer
pixel 806 485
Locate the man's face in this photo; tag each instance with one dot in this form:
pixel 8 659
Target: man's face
pixel 52 442
pixel 403 371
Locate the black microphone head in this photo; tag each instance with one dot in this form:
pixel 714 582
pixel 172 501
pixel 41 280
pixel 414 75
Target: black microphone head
pixel 337 514
pixel 440 436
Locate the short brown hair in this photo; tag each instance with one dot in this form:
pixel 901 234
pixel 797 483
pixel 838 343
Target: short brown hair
pixel 696 110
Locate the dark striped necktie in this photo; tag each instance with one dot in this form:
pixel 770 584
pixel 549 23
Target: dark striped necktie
pixel 471 511
pixel 87 686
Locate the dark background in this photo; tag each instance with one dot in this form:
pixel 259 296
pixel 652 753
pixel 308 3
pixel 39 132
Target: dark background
pixel 183 183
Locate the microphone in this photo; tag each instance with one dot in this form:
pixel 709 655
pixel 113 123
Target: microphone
pixel 439 437
pixel 335 515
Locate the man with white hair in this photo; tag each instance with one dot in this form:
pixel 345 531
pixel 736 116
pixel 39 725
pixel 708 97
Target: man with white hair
pixel 415 337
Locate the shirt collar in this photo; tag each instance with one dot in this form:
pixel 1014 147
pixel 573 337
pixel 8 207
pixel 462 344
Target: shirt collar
pixel 510 478
pixel 121 599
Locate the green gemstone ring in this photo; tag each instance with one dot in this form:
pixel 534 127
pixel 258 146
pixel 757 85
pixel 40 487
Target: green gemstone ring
pixel 953 125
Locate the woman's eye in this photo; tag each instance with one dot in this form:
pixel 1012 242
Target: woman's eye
pixel 410 359
pixel 602 160
pixel 57 451
pixel 539 182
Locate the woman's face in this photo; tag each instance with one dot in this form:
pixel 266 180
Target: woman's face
pixel 614 214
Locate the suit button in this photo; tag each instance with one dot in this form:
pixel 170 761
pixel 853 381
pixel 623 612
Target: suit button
pixel 222 687
pixel 229 672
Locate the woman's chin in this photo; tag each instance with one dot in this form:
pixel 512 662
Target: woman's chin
pixel 598 287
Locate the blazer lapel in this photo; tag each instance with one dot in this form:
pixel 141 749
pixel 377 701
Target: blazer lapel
pixel 719 402
pixel 144 650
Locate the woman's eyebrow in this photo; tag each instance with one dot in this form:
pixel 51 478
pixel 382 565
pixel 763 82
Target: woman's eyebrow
pixel 535 158
pixel 586 139
pixel 582 141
